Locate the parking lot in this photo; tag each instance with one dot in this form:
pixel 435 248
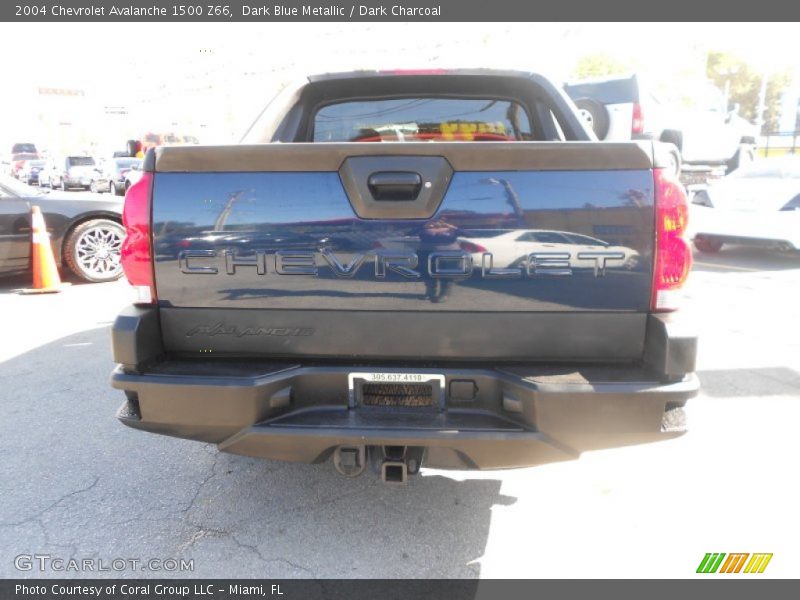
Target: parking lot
pixel 80 485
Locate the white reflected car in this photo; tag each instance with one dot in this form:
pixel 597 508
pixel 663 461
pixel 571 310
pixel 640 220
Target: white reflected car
pixel 756 205
pixel 511 248
pixel 133 175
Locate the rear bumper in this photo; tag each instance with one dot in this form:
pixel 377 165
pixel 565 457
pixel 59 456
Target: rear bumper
pixel 76 181
pixel 485 418
pixel 518 417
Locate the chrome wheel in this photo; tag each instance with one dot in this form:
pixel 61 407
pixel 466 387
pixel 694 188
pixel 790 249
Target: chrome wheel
pixel 97 251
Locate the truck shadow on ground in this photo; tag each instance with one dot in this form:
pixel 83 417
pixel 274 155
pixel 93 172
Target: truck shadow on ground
pixel 81 485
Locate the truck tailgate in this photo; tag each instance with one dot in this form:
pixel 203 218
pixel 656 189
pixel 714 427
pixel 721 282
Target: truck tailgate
pixel 456 251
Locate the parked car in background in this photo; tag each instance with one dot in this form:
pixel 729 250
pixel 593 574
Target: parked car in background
pixel 755 205
pixel 29 173
pixel 19 152
pixel 702 130
pixel 110 174
pixel 68 172
pixel 17 162
pixel 6 158
pixel 133 175
pixel 86 233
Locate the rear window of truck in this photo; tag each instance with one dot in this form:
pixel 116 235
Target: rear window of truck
pixel 422 120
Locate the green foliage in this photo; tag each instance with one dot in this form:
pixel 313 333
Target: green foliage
pixel 745 84
pixel 599 65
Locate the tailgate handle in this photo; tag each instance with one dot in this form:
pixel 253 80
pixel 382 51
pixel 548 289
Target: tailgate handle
pixel 395 185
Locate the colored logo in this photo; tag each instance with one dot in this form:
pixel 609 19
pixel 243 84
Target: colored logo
pixel 719 562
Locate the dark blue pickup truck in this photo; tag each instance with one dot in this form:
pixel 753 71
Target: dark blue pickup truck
pixel 402 269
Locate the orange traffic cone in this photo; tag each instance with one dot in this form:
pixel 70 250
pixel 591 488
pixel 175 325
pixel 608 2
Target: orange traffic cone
pixel 45 274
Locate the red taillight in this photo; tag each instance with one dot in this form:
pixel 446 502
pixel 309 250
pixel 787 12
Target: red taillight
pixel 136 255
pixel 637 122
pixel 673 257
pixel 472 248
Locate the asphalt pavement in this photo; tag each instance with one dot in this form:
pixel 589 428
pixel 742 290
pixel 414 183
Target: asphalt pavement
pixel 77 484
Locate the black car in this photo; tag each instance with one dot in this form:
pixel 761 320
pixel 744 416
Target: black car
pixel 86 233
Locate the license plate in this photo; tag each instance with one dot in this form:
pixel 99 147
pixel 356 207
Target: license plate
pixel 355 380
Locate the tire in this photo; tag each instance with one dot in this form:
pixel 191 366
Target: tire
pixel 596 114
pixel 93 187
pixel 92 250
pixel 112 187
pixel 745 154
pixel 707 245
pixel 64 187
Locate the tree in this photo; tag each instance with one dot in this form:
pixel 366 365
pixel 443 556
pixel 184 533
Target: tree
pixel 599 65
pixel 745 84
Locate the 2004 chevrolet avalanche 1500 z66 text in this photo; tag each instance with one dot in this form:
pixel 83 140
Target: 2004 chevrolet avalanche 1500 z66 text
pixel 437 268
